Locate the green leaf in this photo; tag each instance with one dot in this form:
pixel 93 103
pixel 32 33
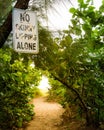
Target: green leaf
pixel 19 123
pixel 80 1
pixel 101 8
pixel 72 10
pixel 28 118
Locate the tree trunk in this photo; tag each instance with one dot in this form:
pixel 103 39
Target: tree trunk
pixel 6 28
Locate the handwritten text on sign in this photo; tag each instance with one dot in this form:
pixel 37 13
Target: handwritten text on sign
pixel 25 32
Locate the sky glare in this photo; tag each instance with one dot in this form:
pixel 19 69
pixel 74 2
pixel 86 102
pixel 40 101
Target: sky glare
pixel 59 17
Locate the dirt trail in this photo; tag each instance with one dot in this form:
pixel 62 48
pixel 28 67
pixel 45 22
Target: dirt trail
pixel 47 115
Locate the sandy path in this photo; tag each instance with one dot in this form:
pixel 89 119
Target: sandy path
pixel 47 115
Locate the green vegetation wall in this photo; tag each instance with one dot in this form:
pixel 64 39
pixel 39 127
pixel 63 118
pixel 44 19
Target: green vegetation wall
pixel 77 60
pixel 17 86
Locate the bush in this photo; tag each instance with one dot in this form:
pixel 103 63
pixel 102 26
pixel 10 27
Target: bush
pixel 16 91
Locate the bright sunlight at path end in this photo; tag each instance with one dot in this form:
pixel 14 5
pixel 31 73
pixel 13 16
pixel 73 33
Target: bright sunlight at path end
pixel 47 115
pixel 44 84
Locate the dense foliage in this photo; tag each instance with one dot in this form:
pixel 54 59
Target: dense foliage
pixel 17 87
pixel 87 26
pixel 76 60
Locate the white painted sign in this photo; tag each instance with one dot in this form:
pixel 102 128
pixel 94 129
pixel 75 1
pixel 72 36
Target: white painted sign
pixel 25 31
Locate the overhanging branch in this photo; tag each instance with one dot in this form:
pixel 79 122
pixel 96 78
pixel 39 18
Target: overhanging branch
pixel 73 90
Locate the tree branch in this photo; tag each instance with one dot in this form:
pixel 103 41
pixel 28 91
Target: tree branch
pixel 6 28
pixel 73 90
